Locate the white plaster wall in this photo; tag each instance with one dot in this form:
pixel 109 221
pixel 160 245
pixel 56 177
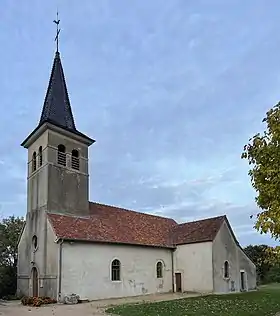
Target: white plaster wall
pixel 194 262
pixel 24 253
pixel 86 269
pixel 249 268
pixel 52 249
pixel 225 249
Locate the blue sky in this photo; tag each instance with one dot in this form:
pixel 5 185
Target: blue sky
pixel 170 89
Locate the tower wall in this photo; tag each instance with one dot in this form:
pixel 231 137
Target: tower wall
pixel 51 187
pixel 37 180
pixel 67 188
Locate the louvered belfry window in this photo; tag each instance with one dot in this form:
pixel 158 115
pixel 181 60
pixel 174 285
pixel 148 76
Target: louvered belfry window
pixel 61 155
pixel 40 156
pixel 75 162
pixel 34 161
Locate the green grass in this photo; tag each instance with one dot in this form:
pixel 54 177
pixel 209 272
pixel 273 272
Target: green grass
pixel 264 302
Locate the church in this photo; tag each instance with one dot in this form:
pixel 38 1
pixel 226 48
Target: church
pixel 71 245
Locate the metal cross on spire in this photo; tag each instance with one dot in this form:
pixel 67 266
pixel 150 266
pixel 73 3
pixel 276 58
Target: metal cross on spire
pixel 57 30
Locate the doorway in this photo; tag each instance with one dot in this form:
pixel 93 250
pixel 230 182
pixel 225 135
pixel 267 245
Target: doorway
pixel 35 287
pixel 178 278
pixel 243 286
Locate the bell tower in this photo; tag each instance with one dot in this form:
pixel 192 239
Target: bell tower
pixel 58 179
pixel 57 182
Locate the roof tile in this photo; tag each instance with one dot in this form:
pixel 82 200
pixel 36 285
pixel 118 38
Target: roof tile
pixel 116 225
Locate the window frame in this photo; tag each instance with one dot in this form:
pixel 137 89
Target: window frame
pixel 33 164
pixel 34 241
pixel 226 274
pixel 159 268
pixel 115 269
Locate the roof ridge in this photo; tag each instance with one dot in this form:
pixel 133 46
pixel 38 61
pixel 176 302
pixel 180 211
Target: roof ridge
pixel 203 220
pixel 133 211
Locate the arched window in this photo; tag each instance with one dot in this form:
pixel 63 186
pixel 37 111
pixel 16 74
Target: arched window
pixel 35 242
pixel 116 270
pixel 34 161
pixel 75 162
pixel 226 269
pixel 40 156
pixel 159 269
pixel 61 155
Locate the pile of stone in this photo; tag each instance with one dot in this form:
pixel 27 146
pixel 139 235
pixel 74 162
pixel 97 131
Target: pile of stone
pixel 71 299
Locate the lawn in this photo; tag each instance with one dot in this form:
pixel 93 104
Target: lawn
pixel 264 302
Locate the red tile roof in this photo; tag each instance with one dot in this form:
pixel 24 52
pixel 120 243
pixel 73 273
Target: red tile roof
pixel 116 225
pixel 197 231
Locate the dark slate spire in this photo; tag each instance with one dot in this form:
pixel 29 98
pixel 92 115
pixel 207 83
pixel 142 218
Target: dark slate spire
pixel 57 108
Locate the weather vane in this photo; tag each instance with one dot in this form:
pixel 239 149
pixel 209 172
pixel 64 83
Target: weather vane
pixel 57 30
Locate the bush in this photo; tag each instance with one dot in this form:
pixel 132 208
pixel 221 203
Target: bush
pixel 10 297
pixel 273 275
pixel 8 281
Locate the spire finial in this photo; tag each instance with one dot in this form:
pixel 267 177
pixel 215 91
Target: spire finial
pixel 57 30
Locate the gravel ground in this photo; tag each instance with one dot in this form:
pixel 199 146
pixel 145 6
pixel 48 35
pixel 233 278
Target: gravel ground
pixel 94 308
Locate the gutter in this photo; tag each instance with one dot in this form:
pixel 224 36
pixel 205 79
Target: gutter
pixel 60 269
pixel 172 269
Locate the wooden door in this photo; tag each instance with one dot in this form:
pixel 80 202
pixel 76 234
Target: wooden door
pixel 243 285
pixel 34 282
pixel 178 277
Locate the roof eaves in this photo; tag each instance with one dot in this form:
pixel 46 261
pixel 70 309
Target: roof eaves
pixel 194 242
pixel 87 139
pixel 114 243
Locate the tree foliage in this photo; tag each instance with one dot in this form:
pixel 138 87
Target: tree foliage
pixel 263 155
pixel 258 254
pixel 266 261
pixel 273 275
pixel 10 230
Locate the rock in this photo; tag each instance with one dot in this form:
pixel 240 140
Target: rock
pixel 71 299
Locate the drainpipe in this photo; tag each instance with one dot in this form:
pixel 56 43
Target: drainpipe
pixel 172 269
pixel 60 269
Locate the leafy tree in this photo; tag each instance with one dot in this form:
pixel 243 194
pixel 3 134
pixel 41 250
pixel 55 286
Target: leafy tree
pixel 263 155
pixel 10 230
pixel 273 275
pixel 258 254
